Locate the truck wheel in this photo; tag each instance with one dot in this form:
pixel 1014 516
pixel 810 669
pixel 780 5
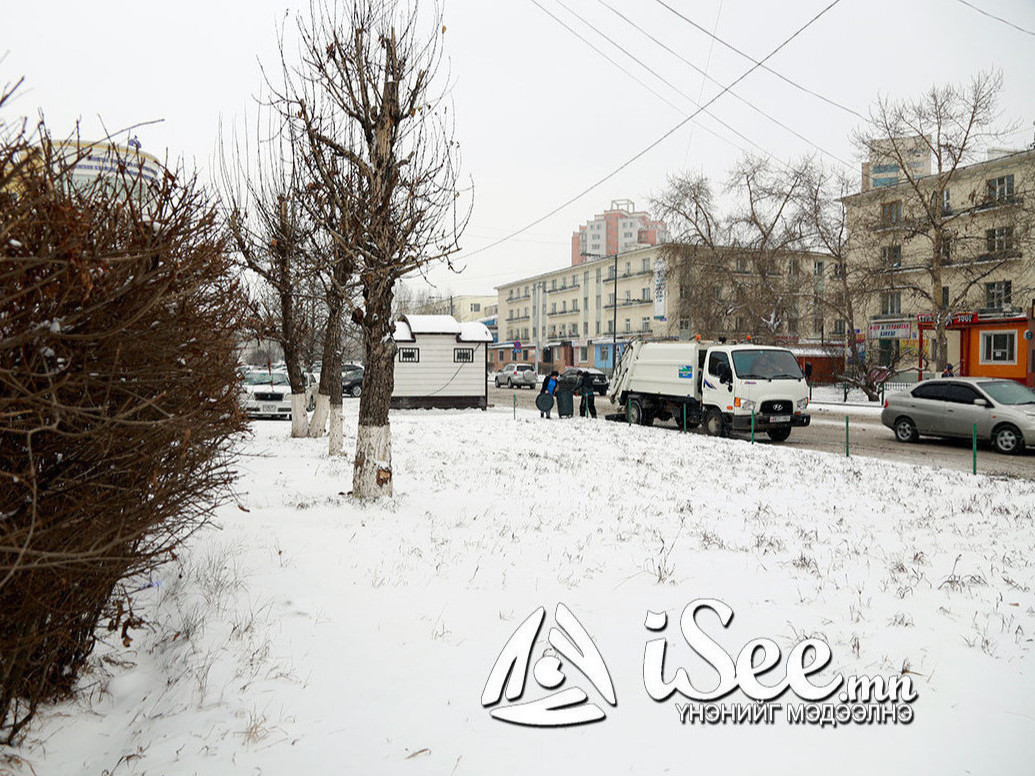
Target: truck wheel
pixel 779 434
pixel 635 412
pixel 713 424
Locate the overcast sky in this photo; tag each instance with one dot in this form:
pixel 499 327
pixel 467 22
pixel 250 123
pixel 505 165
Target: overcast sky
pixel 541 115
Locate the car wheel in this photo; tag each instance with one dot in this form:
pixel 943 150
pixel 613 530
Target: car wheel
pixel 497 381
pixel 510 383
pixel 311 405
pixel 356 391
pixel 1008 440
pixel 905 430
pixel 779 434
pixel 713 423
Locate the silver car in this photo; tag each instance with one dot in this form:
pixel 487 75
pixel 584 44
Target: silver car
pixel 1002 410
pixel 517 376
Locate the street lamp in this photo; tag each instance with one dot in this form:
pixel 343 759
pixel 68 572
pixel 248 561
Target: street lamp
pixel 614 317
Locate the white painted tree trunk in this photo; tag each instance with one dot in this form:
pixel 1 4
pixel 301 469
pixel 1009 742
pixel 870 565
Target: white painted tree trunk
pixel 299 419
pixel 318 423
pixel 372 469
pixel 336 435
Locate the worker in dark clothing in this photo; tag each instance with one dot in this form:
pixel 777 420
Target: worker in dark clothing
pixel 588 400
pixel 549 387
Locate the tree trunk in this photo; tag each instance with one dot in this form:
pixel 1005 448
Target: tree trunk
pixel 299 419
pixel 335 435
pixel 331 371
pixel 372 469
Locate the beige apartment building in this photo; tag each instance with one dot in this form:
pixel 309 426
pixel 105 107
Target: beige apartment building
pixel 957 247
pixel 576 315
pixel 463 307
pixel 579 315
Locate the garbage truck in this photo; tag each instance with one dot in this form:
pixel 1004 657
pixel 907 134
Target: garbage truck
pixel 723 387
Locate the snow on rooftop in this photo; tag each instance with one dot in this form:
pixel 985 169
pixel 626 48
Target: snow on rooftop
pixel 474 331
pixel 432 324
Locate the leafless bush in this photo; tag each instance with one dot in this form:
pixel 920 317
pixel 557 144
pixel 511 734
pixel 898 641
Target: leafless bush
pixel 118 398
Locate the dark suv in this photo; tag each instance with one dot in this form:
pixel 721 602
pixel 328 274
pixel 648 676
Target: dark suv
pixel 572 377
pixel 351 380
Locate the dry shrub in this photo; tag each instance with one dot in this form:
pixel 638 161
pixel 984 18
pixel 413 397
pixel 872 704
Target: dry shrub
pixel 118 401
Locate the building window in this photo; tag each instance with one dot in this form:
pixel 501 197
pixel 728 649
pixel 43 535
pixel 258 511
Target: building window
pixel 946 203
pixel 891 303
pixel 998 347
pixel 628 325
pixel 598 327
pixel 684 324
pixel 891 256
pixel 610 327
pixel 997 294
pixel 742 264
pixel 646 265
pixel 610 300
pixel 583 354
pixel 463 355
pixel 1000 189
pixel 645 323
pixel 476 307
pixel 553 308
pixel 999 240
pixel 945 297
pixel 818 269
pixel 891 213
pixel 839 327
pixel 553 284
pixel 409 355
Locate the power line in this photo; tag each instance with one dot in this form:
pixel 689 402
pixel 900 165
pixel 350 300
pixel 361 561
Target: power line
pixel 694 67
pixel 657 75
pixel 997 18
pixel 758 63
pixel 633 77
pixel 660 140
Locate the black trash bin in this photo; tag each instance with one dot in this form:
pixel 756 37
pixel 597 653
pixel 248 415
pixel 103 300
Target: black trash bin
pixel 565 402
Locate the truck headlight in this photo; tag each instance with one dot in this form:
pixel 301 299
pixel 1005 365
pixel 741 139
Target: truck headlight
pixel 747 405
pixel 803 403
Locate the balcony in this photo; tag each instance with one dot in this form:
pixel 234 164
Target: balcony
pixel 571 311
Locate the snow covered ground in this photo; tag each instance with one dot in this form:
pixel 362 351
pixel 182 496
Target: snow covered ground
pixel 313 634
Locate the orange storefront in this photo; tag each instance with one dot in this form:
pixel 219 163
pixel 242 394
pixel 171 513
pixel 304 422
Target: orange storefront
pixel 992 346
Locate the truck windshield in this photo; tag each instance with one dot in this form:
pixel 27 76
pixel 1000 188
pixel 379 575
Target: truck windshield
pixel 766 365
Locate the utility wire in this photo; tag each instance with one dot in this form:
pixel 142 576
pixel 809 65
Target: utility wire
pixel 997 18
pixel 633 77
pixel 657 75
pixel 759 63
pixel 660 140
pixel 694 67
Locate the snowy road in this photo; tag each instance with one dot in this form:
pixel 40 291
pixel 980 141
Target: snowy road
pixel 868 437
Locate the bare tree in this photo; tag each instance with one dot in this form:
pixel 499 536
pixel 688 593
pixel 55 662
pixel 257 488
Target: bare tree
pixel 737 271
pixel 385 169
pixel 262 206
pixel 842 290
pixel 943 230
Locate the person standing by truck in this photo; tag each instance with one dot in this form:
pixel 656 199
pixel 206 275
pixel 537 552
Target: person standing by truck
pixel 588 400
pixel 548 389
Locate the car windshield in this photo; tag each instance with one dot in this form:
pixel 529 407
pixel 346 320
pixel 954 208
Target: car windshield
pixel 1008 392
pixel 265 378
pixel 766 365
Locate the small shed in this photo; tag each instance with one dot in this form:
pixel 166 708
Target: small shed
pixel 440 363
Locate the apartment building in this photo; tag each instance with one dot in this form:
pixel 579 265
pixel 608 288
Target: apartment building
pixel 955 251
pixel 463 307
pixel 578 314
pixel 619 229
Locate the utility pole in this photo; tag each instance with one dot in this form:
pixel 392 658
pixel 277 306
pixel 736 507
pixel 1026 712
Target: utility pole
pixel 614 325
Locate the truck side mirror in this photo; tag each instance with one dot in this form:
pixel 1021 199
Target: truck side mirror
pixel 725 374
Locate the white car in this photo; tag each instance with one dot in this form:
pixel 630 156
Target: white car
pixel 266 394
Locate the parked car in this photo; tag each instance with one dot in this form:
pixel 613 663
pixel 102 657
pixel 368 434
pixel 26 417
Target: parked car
pixel 572 376
pixel 352 380
pixel 517 376
pixel 268 394
pixel 1002 410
